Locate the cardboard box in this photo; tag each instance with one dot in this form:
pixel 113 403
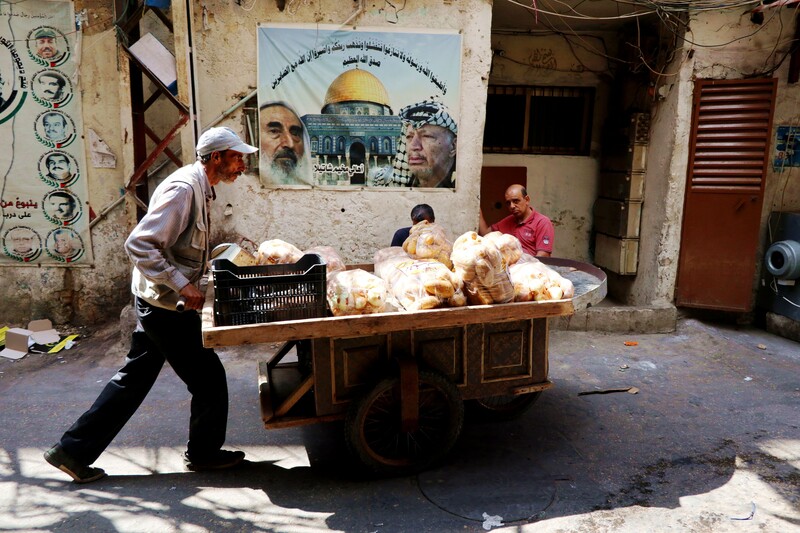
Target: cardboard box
pixel 617 218
pixel 632 160
pixel 622 185
pixel 16 343
pixel 18 340
pixel 617 255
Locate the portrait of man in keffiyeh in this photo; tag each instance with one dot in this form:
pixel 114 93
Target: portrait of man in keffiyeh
pixel 426 153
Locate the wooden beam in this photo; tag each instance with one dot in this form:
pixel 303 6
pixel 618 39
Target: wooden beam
pixel 142 169
pixel 169 153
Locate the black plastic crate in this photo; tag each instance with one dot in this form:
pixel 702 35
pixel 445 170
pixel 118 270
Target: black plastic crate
pixel 268 293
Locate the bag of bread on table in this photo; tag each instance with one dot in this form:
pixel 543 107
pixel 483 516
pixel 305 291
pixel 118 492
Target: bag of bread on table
pixel 277 252
pixel 385 261
pixel 356 292
pixel 480 265
pixel 428 240
pixel 508 245
pixel 422 284
pixel 333 261
pixel 535 281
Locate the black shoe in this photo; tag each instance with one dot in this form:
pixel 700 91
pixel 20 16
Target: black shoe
pixel 218 460
pixel 80 473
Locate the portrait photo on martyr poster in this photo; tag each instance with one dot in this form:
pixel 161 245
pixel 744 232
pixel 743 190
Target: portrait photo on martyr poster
pixel 44 212
pixel 357 108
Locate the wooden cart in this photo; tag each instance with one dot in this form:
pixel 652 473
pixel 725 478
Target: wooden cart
pixel 401 380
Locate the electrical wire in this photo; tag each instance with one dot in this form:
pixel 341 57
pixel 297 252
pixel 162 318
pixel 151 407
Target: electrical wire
pixel 659 75
pixel 586 46
pixel 552 69
pixel 535 517
pixel 668 12
pixel 687 28
pixel 396 11
pixel 248 9
pixel 777 41
pixel 581 16
pixel 693 5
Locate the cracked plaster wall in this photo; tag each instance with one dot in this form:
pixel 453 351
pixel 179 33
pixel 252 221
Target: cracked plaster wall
pixel 735 48
pixel 90 294
pixel 356 222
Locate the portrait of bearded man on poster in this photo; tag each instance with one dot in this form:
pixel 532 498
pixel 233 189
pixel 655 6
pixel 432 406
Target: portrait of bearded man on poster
pixel 426 153
pixel 285 147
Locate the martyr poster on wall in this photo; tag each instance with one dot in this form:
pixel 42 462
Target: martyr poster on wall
pixel 357 108
pixel 43 189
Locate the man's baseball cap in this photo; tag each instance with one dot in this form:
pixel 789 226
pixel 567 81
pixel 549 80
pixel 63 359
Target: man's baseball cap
pixel 44 32
pixel 220 139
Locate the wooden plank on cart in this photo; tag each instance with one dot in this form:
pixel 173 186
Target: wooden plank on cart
pixel 589 282
pixel 379 323
pixel 295 396
pixel 265 397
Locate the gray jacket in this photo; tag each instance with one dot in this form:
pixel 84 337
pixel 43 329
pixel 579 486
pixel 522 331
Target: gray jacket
pixel 169 246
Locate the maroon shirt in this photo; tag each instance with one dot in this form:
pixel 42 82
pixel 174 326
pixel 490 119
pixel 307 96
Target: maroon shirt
pixel 535 234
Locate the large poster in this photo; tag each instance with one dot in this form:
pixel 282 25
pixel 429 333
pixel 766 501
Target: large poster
pixel 363 108
pixel 43 187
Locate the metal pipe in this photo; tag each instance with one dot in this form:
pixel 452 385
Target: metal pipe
pixel 103 212
pixel 106 209
pixel 231 109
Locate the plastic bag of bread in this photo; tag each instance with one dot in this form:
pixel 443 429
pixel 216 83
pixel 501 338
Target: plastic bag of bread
pixel 428 240
pixel 423 284
pixel 527 258
pixel 480 265
pixel 277 252
pixel 385 262
pixel 535 281
pixel 356 292
pixel 508 245
pixel 333 260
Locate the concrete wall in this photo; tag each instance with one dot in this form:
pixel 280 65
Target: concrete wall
pixel 224 49
pixel 562 187
pixel 361 221
pixel 752 50
pixel 84 294
pixel 356 222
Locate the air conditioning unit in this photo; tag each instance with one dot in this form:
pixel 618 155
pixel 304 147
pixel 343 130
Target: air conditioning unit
pixel 779 289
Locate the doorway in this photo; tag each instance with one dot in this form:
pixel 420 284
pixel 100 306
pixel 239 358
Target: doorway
pixel 728 158
pixel 494 182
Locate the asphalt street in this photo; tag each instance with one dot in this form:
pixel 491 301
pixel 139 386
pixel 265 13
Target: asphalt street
pixel 710 442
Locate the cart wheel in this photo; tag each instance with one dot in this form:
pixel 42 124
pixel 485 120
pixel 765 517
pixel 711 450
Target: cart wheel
pixel 373 426
pixel 497 408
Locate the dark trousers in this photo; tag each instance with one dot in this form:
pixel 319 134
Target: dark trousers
pixel 160 335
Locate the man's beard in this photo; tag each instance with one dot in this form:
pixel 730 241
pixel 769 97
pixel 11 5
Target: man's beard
pixel 424 177
pixel 285 170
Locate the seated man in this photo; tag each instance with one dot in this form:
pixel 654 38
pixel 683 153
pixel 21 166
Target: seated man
pixel 419 213
pixel 533 229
